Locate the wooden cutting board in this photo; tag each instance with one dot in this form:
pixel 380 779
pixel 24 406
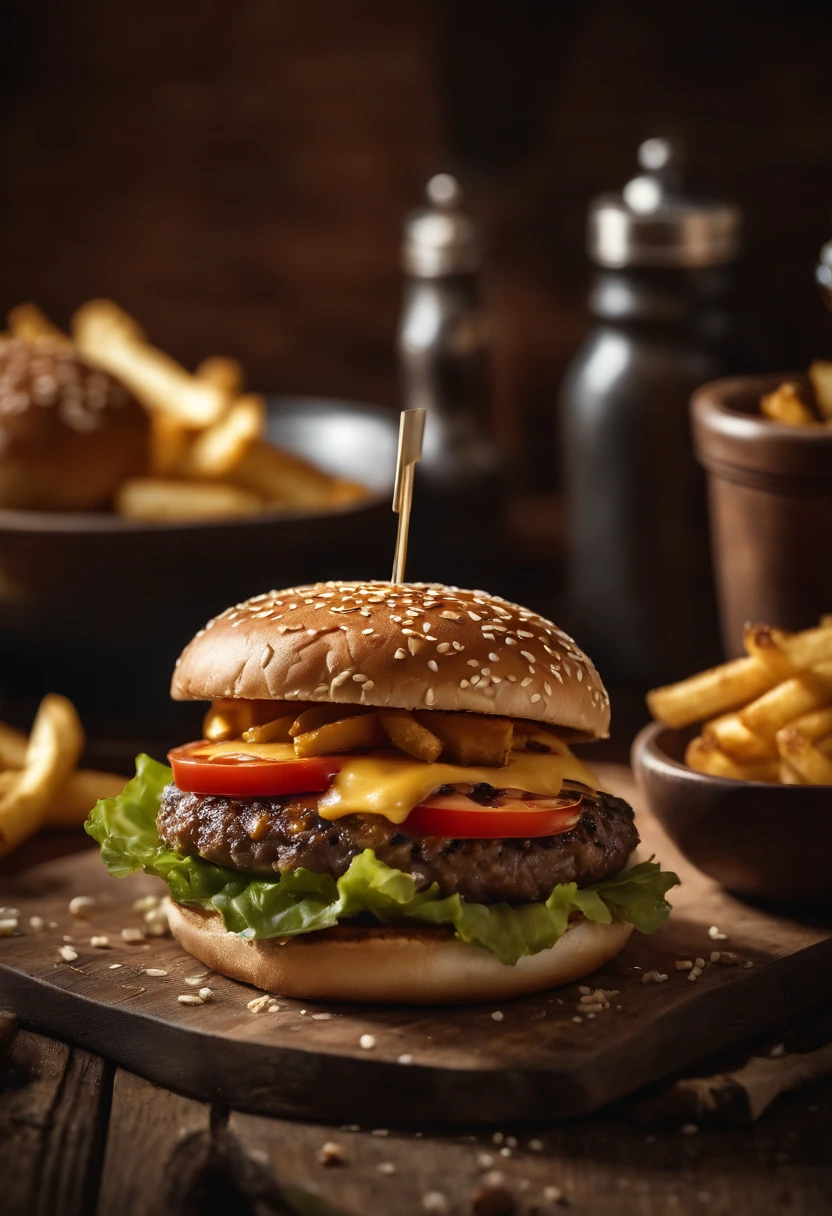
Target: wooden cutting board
pixel 457 1065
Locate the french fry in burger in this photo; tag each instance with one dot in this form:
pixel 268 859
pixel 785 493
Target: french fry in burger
pixel 388 823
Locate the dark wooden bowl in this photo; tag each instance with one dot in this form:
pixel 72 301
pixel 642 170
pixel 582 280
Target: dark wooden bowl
pixel 764 842
pixel 98 607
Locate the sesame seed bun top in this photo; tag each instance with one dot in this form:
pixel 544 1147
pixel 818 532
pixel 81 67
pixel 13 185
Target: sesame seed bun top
pixel 408 646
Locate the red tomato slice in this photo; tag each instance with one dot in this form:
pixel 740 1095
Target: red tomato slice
pixel 460 818
pixel 239 775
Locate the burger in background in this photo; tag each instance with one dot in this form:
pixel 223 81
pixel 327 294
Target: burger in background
pixel 384 807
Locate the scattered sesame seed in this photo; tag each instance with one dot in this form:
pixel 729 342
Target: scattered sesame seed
pixel 552 1194
pixel 700 963
pixel 206 993
pixel 386 1167
pixel 748 964
pixel 689 1129
pixel 36 923
pixel 132 935
pixel 498 1138
pixel 332 1153
pixel 115 966
pixel 400 654
pixel 146 903
pixel 715 956
pixel 505 1152
pixel 432 664
pixel 100 942
pixel 9 926
pixel 379 1131
pixel 258 1004
pixel 367 1041
pixel 190 998
pixel 81 905
pixel 536 1146
pixel 497 1016
pixel 155 971
pixel 577 1018
pixel 196 980
pixel 434 1201
pixel 68 954
pixel 404 1058
pixel 728 959
pixel 535 698
pixel 715 935
pixel 526 682
pixel 321 1017
pixel 685 964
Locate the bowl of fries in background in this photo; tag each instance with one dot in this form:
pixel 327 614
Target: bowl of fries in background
pixel 240 493
pixel 766 444
pixel 738 766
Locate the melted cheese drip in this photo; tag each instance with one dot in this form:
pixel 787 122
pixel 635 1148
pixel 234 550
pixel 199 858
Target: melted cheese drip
pixel 382 783
pixel 389 784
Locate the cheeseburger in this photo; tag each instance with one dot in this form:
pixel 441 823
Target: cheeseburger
pixel 384 806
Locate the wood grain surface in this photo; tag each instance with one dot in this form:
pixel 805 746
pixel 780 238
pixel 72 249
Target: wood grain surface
pixel 465 1066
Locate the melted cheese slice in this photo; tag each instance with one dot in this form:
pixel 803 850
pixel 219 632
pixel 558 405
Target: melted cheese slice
pixel 383 783
pixel 390 784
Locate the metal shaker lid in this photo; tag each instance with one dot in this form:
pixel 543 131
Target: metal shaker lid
pixel 440 239
pixel 653 222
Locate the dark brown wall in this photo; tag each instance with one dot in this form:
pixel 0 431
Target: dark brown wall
pixel 236 173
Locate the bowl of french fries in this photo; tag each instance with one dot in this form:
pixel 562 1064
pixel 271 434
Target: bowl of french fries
pixel 239 491
pixel 766 445
pixel 738 766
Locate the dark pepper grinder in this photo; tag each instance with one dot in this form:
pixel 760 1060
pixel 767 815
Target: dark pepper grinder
pixel 444 356
pixel 640 587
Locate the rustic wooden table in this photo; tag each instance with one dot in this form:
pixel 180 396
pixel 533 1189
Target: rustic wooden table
pixel 80 1136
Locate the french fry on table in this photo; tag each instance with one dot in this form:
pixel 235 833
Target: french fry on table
pixel 13 745
pixel 55 745
pixel 110 338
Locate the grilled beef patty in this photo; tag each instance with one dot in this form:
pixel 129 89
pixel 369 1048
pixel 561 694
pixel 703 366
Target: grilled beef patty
pixel 269 836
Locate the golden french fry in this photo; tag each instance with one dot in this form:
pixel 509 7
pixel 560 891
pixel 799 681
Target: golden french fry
pixel 788 776
pixel 737 741
pixel 364 730
pixel 220 448
pixel 820 375
pixel 710 693
pixel 31 324
pixel 309 719
pixel 13 744
pixel 470 738
pixel 706 756
pixel 815 725
pixel 805 649
pixel 807 760
pixel 786 406
pixel 410 736
pixel 780 705
pixel 276 731
pixel 109 337
pixel 77 796
pixel 226 374
pixel 766 645
pixel 824 745
pixel 288 480
pixel 169 441
pixel 55 744
pixel 230 717
pixel 158 499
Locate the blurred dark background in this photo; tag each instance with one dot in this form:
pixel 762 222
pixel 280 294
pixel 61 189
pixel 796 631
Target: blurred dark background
pixel 236 175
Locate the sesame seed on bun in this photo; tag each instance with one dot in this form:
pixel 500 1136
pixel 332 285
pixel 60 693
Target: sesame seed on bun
pixel 407 646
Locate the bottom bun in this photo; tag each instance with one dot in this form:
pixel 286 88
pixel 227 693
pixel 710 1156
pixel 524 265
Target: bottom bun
pixel 391 965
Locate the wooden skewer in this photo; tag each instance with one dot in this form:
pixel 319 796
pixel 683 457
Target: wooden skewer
pixel 411 434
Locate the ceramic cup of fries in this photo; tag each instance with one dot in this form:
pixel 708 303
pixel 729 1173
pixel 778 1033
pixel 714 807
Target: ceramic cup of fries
pixel 738 765
pixel 766 445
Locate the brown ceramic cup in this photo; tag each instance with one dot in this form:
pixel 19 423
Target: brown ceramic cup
pixel 770 497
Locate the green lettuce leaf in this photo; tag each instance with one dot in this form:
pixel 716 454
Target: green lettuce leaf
pixel 302 901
